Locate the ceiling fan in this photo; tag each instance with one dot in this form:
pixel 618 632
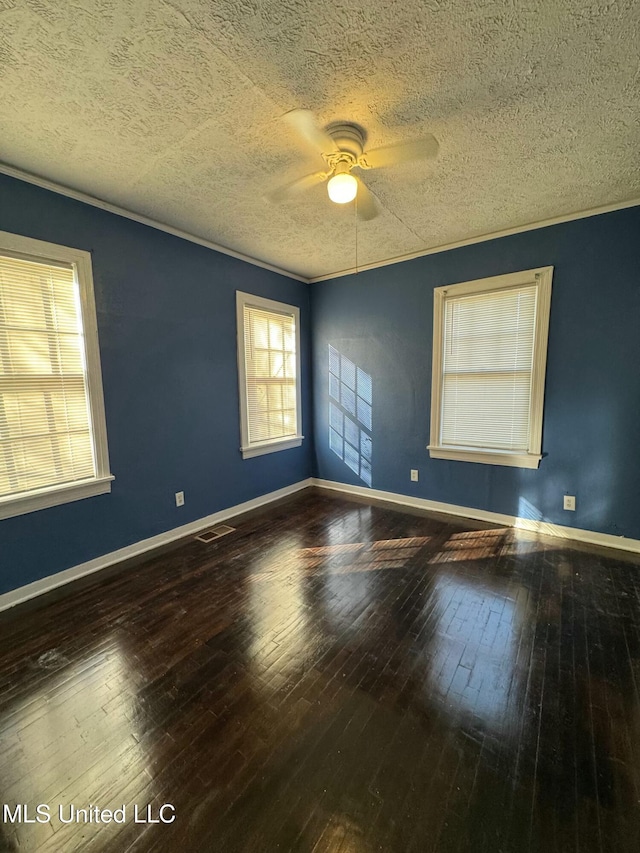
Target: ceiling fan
pixel 342 148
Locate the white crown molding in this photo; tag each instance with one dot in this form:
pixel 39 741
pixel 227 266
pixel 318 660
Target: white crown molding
pixel 577 534
pixel 46 184
pixel 483 238
pixel 39 587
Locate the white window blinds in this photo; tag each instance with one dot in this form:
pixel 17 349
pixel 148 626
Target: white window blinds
pixel 270 372
pixel 487 369
pixel 489 359
pixel 45 422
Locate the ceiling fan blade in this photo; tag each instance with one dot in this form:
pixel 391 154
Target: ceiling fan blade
pixel 292 189
pixel 305 124
pixel 366 206
pixel 419 149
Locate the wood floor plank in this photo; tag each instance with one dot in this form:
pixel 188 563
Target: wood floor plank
pixel 336 676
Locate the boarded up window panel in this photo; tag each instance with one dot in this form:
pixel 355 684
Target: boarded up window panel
pixel 45 425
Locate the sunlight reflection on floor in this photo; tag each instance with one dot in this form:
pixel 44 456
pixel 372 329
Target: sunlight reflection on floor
pixel 80 724
pixel 473 665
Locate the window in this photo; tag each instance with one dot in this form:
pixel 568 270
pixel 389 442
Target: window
pixel 53 442
pixel 269 370
pixel 489 358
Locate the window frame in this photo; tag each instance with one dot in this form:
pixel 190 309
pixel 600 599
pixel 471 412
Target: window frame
pixel 259 448
pixel 542 278
pixel 48 496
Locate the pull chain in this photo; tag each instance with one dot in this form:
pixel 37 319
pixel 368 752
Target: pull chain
pixel 355 211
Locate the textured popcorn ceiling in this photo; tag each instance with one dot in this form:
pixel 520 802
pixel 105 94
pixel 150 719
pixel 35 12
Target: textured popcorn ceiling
pixel 171 109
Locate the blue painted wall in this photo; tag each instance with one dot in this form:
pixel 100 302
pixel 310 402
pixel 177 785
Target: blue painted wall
pixel 167 328
pixel 166 319
pixel 382 320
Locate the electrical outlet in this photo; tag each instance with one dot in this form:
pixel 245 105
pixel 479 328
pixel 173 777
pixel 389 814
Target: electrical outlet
pixel 414 475
pixel 179 498
pixel 569 502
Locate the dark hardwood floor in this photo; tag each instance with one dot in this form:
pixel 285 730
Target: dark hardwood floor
pixel 334 677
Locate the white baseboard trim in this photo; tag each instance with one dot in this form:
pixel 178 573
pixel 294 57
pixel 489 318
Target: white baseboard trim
pixel 39 587
pixel 577 534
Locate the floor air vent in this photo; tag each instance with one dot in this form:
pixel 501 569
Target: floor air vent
pixel 214 533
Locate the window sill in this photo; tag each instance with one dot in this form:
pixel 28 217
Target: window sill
pixel 271 446
pixel 12 505
pixel 486 457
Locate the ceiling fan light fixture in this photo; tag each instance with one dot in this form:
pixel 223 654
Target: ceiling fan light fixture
pixel 342 188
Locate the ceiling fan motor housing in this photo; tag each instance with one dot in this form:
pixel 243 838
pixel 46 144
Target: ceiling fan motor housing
pixel 349 138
